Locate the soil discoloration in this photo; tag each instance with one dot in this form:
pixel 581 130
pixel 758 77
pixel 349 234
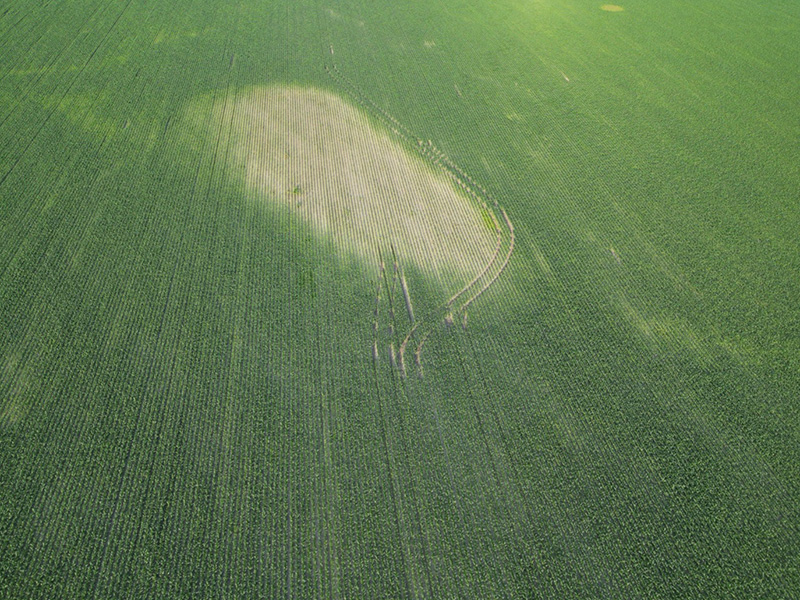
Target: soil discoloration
pixel 310 150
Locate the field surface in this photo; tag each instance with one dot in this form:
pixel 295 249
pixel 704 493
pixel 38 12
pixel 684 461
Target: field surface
pixel 410 299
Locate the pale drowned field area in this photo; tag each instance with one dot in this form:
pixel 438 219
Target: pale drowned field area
pixel 311 151
pixel 442 299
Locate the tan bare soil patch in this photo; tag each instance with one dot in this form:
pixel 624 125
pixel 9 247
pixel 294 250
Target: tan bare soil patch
pixel 612 8
pixel 353 182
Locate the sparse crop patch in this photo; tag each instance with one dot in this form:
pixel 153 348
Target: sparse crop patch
pixel 358 186
pixel 372 191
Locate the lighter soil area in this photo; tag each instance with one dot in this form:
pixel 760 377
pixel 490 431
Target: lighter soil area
pixel 353 182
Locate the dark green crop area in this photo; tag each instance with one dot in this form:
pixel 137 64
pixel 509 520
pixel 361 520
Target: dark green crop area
pixel 190 405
